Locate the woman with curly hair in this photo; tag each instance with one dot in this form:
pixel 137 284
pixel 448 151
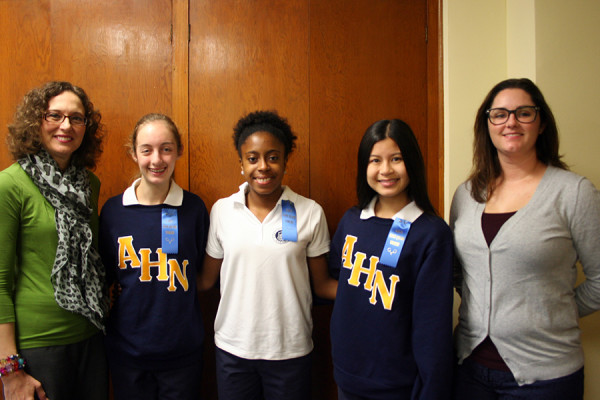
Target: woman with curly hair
pixel 266 242
pixel 52 297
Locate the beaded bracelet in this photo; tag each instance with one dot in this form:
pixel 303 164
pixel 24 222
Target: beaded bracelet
pixel 11 364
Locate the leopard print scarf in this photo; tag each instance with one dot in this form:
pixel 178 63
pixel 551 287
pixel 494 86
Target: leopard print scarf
pixel 78 275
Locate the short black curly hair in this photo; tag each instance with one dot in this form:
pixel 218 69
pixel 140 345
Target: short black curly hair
pixel 24 136
pixel 264 121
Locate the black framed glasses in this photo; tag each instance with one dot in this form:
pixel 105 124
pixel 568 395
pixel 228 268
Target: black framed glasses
pixel 56 117
pixel 523 114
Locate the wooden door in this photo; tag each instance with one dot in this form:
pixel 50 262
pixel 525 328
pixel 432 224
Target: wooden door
pixel 119 52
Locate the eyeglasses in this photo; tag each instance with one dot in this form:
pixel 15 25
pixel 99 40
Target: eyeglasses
pixel 523 114
pixel 56 117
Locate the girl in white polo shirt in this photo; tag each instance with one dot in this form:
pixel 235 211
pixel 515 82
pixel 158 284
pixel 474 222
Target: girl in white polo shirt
pixel 266 243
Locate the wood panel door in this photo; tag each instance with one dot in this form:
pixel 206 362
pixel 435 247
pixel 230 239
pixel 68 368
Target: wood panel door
pixel 119 52
pixel 368 61
pixel 332 68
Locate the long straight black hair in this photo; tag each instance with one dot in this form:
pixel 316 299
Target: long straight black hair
pixel 399 132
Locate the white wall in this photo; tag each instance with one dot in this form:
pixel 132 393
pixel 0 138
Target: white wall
pixel 474 60
pixel 568 72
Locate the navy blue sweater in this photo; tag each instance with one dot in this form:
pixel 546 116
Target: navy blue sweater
pixel 156 321
pixel 391 328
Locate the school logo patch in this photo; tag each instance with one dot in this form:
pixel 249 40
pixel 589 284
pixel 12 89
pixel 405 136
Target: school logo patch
pixel 278 237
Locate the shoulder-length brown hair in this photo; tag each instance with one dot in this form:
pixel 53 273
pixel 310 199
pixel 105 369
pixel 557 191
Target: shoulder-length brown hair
pixel 24 134
pixel 486 167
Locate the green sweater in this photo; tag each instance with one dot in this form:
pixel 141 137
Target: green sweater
pixel 28 241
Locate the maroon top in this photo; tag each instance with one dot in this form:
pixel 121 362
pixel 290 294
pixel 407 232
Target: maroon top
pixel 486 353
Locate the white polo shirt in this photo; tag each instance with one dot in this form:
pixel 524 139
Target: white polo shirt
pixel 265 307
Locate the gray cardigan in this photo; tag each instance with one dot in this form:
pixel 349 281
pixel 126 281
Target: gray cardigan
pixel 521 290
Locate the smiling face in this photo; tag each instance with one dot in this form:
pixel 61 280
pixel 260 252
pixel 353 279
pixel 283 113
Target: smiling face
pixel 62 139
pixel 386 172
pixel 156 153
pixel 263 164
pixel 514 137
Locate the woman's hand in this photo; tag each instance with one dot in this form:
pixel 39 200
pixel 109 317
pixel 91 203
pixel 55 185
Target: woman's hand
pixel 21 386
pixel 18 385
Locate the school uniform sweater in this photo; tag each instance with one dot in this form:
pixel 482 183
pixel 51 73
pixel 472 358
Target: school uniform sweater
pixel 155 322
pixel 391 328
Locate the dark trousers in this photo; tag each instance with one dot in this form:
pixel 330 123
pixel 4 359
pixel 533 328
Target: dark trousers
pixel 70 372
pixel 476 382
pixel 242 379
pixel 164 384
pixel 343 395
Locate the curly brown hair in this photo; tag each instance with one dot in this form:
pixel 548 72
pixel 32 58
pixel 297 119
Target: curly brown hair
pixel 24 134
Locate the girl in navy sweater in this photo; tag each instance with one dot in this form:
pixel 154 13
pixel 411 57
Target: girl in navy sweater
pixel 152 239
pixel 391 328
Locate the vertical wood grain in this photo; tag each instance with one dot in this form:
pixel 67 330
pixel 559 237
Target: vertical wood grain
pixel 245 55
pixel 25 54
pixel 180 76
pixel 368 61
pixel 435 106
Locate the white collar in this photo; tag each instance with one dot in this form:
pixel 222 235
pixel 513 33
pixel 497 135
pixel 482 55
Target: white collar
pixel 409 212
pixel 174 197
pixel 240 196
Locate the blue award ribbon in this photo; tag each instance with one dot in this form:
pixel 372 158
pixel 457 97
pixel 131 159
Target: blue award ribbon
pixel 289 231
pixel 170 231
pixel 395 242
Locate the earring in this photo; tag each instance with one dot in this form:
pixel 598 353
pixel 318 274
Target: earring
pixel 242 172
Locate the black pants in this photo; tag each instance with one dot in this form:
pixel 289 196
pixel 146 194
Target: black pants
pixel 70 372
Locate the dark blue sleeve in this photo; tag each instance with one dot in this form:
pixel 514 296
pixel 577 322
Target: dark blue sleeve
pixel 335 249
pixel 106 247
pixel 432 318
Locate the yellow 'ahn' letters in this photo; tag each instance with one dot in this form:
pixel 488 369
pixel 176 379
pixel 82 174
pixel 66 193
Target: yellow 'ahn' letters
pixel 127 254
pixel 375 282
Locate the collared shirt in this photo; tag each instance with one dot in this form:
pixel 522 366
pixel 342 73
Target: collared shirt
pixel 409 212
pixel 265 307
pixel 174 197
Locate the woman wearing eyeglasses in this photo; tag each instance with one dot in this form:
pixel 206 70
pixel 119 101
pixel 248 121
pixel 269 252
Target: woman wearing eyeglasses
pixel 52 297
pixel 521 222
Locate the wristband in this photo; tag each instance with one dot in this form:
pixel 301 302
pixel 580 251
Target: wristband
pixel 11 364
